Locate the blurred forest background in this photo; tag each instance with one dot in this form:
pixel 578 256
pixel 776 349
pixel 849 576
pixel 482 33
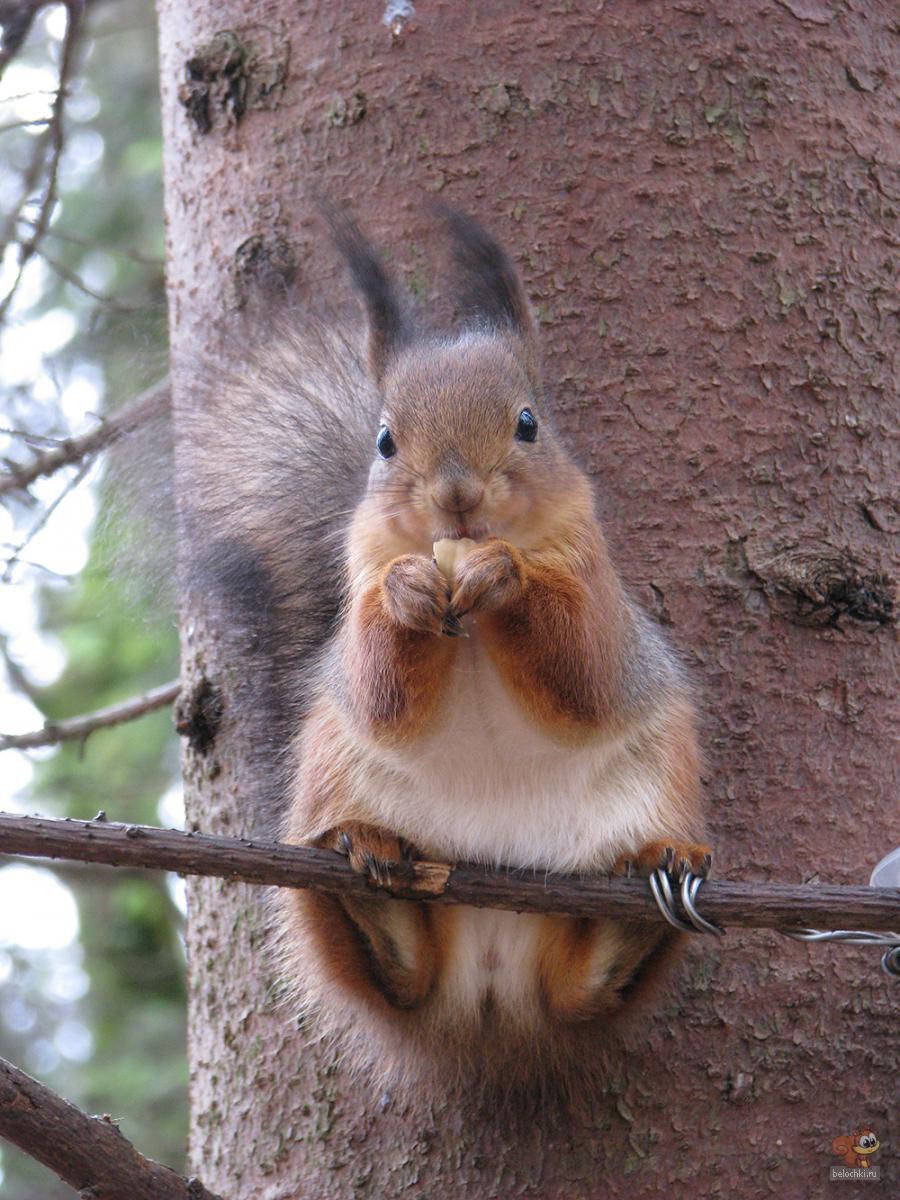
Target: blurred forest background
pixel 91 959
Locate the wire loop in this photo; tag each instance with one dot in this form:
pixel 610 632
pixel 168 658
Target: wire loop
pixel 661 889
pixel 690 886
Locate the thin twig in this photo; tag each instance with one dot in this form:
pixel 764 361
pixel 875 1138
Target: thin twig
pixel 27 95
pixel 32 124
pixel 146 260
pixel 91 1154
pixel 45 516
pixel 73 450
pixel 762 905
pixel 77 282
pixel 17 676
pixel 17 19
pixel 74 12
pixel 25 435
pixel 29 183
pixel 76 729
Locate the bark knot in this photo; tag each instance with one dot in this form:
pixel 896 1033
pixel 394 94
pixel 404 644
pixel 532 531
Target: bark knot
pixel 818 585
pixel 233 72
pixel 198 715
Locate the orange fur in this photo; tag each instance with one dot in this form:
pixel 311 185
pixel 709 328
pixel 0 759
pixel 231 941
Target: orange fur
pixel 395 674
pixel 557 642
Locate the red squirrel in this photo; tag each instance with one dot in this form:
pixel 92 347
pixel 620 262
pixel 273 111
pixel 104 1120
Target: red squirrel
pixel 525 713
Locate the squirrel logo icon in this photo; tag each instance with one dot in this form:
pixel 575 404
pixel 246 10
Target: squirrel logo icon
pixel 855 1148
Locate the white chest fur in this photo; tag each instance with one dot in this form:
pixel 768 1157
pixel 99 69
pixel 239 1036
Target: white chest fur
pixel 485 785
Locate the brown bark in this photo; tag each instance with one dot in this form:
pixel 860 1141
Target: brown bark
pixel 755 906
pixel 89 1153
pixel 702 201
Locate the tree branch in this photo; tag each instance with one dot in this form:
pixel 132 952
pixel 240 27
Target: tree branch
pixel 758 906
pixel 74 450
pixel 16 18
pixel 88 1153
pixel 41 522
pixel 79 728
pixel 74 13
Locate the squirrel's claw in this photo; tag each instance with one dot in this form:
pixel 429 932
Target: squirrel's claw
pixel 676 860
pixel 379 855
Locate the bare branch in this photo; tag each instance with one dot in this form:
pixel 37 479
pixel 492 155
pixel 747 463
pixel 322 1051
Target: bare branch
pixel 146 260
pixel 90 1154
pixel 42 520
pixel 746 904
pixel 29 183
pixel 73 450
pixel 77 282
pixel 36 123
pixel 16 18
pixel 79 728
pixel 74 13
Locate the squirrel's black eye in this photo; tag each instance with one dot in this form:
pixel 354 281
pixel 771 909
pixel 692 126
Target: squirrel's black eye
pixel 526 429
pixel 384 443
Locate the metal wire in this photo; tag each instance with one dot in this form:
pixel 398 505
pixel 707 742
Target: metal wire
pixel 855 937
pixel 690 886
pixel 661 889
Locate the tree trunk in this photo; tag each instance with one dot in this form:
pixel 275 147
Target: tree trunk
pixel 701 200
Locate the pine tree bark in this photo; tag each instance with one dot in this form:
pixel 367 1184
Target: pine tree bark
pixel 703 203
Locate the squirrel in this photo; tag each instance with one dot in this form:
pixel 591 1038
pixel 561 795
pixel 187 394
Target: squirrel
pixel 854 1148
pixel 524 713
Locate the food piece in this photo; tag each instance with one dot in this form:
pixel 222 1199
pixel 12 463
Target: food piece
pixel 447 554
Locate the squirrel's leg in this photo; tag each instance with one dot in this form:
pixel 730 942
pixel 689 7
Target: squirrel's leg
pixel 590 967
pixel 396 652
pixel 668 854
pixel 400 939
pixel 375 946
pixel 381 951
pixel 555 640
pixel 397 938
pixel 384 950
pixel 586 966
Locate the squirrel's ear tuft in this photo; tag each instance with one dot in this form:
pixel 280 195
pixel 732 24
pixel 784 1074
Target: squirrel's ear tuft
pixel 387 328
pixel 488 285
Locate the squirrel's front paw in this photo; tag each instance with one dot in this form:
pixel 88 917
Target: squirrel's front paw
pixel 673 856
pixel 488 578
pixel 371 851
pixel 415 593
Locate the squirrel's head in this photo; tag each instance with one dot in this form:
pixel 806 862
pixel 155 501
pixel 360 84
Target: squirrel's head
pixel 465 447
pixel 865 1142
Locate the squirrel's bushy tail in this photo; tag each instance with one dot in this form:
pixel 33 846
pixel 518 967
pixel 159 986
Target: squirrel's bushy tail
pixel 272 453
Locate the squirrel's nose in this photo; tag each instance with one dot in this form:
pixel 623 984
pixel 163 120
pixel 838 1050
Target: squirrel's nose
pixel 458 494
